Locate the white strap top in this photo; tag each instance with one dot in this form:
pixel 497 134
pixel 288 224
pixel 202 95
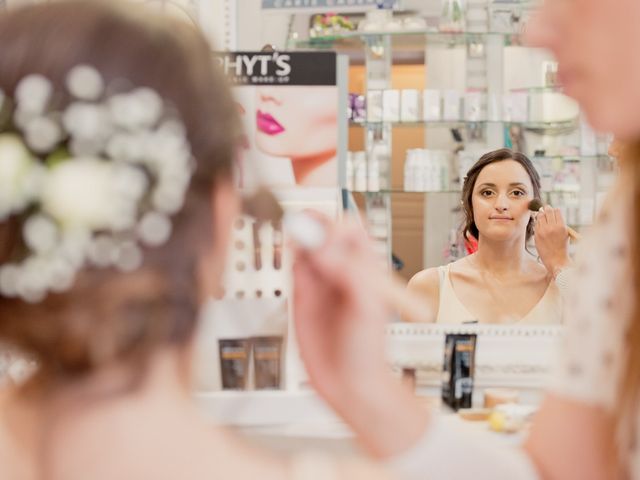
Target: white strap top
pixel 548 310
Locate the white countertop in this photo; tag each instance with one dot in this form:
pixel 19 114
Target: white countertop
pixel 296 421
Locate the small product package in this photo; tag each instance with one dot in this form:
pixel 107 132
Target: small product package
pixel 359 109
pixel 452 103
pixel 234 362
pixel 374 106
pixel 458 370
pixel 391 105
pixel 431 105
pixel 267 355
pixel 473 106
pixel 409 105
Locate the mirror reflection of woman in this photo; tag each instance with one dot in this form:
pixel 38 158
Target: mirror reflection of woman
pixel 502 282
pixel 588 425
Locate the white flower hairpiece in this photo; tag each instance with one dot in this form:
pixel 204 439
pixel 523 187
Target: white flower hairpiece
pixel 93 182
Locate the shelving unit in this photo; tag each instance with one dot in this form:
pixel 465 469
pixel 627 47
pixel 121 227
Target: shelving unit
pixel 551 125
pixel 403 38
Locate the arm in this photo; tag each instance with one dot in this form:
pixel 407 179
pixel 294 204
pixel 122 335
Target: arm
pixel 426 284
pixel 571 439
pixel 340 328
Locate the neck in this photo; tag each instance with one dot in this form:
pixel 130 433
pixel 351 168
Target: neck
pixel 306 169
pixel 501 258
pixel 33 412
pixel 166 375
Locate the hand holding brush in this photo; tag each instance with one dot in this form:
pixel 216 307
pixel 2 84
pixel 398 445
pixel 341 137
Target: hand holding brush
pixel 536 205
pixel 552 237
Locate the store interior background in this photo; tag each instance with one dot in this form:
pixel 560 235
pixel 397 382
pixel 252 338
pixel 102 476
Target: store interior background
pixel 422 222
pixel 422 225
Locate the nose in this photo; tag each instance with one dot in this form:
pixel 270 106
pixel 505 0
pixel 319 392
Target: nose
pixel 502 203
pixel 269 95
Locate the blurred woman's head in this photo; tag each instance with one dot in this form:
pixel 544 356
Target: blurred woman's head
pixel 108 315
pixel 594 42
pixel 496 195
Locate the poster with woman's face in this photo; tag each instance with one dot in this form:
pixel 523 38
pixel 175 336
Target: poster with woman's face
pixel 289 107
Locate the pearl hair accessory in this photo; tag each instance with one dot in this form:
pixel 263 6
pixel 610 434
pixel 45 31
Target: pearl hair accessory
pixel 93 183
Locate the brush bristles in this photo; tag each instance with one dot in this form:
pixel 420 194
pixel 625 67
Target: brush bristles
pixel 535 205
pixel 263 206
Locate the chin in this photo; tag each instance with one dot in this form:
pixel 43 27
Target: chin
pixel 499 234
pixel 606 117
pixel 271 146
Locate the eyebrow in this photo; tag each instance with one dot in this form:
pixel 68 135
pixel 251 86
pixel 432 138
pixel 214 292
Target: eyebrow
pixel 516 184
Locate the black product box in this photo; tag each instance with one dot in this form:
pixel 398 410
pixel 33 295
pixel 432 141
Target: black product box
pixel 458 369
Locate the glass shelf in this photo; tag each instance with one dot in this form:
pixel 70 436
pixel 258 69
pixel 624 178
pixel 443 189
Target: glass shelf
pixel 407 38
pixel 548 127
pixel 539 89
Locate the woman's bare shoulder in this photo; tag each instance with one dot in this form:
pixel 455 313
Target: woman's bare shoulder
pixel 425 281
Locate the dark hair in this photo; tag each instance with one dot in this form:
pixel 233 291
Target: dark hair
pixel 469 226
pixel 109 315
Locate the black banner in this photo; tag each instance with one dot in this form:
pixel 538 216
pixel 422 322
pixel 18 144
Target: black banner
pixel 279 68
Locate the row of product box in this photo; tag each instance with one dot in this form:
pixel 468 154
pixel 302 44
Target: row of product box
pixel 431 105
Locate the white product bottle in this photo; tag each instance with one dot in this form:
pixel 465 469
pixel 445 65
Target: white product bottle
pixel 408 171
pixel 494 107
pixel 350 171
pixel 434 167
pixel 415 173
pixel 382 154
pixel 443 170
pixel 426 182
pixel 520 112
pixel 588 139
pixel 360 172
pixel 373 174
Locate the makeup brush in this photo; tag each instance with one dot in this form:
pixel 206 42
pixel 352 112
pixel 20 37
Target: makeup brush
pixel 262 205
pixel 535 205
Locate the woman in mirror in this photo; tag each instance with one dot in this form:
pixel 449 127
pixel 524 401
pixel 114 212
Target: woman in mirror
pixel 502 282
pixel 588 424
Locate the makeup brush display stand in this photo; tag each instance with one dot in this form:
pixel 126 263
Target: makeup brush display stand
pixel 256 302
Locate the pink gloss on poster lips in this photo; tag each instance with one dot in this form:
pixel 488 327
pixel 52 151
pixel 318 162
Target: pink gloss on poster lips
pixel 267 124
